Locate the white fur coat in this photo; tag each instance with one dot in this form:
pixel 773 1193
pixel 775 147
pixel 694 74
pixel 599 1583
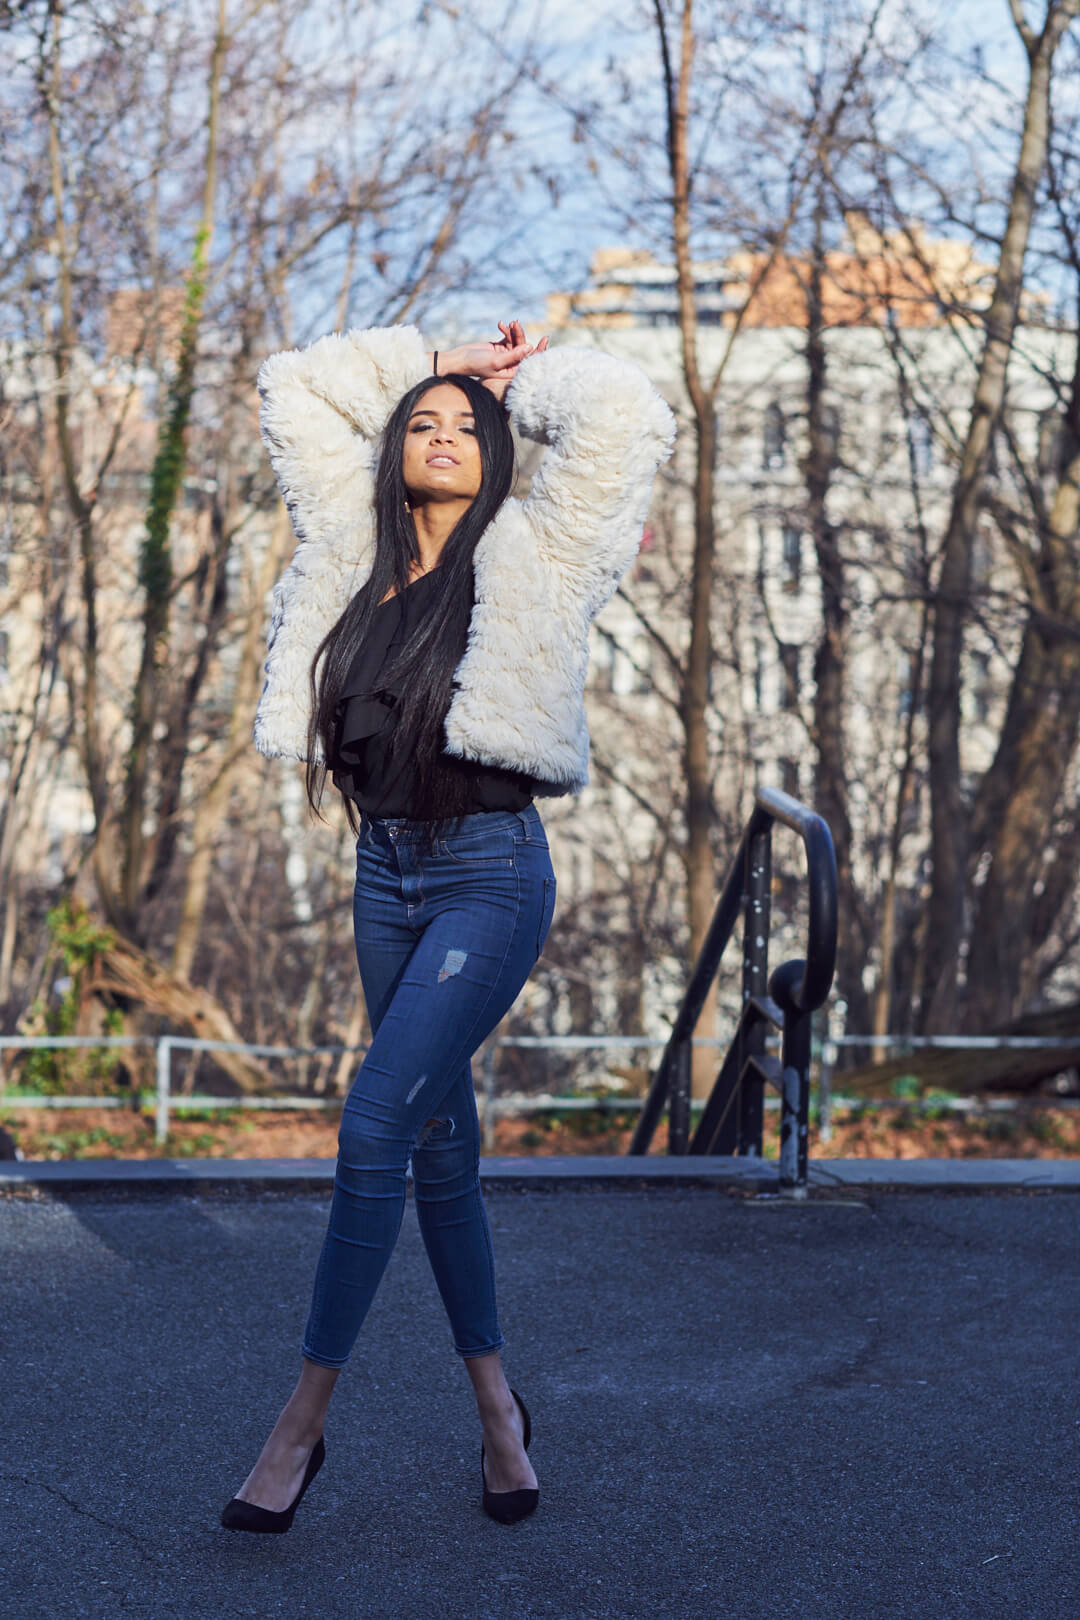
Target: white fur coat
pixel 543 569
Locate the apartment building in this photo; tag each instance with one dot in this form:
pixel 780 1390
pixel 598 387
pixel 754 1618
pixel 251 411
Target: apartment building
pixel 901 346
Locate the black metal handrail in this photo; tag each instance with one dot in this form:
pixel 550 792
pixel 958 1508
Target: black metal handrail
pixel 733 1117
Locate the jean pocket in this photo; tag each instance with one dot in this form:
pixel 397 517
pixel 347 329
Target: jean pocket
pixel 547 914
pixel 489 849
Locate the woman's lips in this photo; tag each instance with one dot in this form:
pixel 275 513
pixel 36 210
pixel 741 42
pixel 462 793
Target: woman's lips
pixel 435 461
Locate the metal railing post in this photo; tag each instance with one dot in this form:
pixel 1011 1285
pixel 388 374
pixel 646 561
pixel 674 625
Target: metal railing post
pixel 738 1129
pixel 749 1104
pixel 679 1100
pixel 164 1067
pixel 795 1083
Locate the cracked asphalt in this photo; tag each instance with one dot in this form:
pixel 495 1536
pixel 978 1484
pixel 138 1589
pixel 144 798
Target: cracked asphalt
pixel 864 1408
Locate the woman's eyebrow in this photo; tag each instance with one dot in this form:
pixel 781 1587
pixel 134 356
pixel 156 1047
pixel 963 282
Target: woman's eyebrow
pixel 421 412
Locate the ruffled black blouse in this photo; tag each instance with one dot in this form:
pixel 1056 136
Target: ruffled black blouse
pixel 359 760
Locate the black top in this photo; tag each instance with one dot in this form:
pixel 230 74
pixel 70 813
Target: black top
pixel 358 760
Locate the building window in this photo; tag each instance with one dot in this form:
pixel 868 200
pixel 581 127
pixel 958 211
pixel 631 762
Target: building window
pixel 762 558
pixel 921 445
pixel 791 555
pixel 906 678
pixel 630 670
pixel 602 664
pixel 789 675
pixel 774 443
pixel 643 664
pixel 618 669
pixel 759 674
pixel 1051 444
pixel 832 427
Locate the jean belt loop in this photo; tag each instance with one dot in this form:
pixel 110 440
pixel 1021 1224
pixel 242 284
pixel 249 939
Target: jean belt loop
pixel 526 824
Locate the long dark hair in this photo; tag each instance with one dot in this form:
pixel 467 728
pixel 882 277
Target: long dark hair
pixel 422 673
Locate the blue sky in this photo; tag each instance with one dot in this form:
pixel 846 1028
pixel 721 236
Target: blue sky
pixel 581 41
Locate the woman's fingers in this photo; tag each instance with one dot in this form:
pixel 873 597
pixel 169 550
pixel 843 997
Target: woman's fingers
pixel 501 359
pixel 507 356
pixel 513 335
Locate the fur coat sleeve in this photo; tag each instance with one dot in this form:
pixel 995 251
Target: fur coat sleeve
pixel 607 429
pixel 322 411
pixel 543 569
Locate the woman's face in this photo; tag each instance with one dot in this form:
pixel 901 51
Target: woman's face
pixel 441 459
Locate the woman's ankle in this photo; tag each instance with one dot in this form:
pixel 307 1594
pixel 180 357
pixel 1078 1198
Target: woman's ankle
pixel 304 1413
pixel 490 1385
pixel 299 1427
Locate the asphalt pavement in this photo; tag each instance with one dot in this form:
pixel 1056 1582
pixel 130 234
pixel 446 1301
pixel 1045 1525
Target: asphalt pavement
pixel 864 1405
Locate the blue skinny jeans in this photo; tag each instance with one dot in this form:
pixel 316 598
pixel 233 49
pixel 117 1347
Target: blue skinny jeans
pixel 444 943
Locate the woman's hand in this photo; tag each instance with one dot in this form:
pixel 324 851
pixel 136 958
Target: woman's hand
pixel 513 340
pixel 493 364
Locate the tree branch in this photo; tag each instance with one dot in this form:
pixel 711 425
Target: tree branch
pixel 1023 27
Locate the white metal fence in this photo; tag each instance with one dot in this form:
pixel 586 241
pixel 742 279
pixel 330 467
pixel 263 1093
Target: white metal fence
pixel 165 1101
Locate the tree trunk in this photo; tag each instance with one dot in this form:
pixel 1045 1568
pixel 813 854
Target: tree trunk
pixel 82 510
pixel 213 804
pixel 948 809
pixel 356 1033
pixel 166 482
pixel 700 865
pixel 830 660
pixel 883 994
pixel 1021 793
pixel 1005 902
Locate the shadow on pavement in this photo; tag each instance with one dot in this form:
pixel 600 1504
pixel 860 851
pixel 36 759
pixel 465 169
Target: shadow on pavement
pixel 862 1405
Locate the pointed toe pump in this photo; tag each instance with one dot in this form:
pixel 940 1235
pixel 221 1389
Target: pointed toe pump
pixel 241 1515
pixel 508 1506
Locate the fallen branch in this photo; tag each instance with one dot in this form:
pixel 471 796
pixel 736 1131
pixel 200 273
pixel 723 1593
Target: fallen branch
pixel 124 970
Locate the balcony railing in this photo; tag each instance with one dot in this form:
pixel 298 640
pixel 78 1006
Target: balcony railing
pixel 732 1120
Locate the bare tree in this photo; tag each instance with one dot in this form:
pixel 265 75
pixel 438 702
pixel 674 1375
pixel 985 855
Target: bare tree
pixel 949 810
pixel 369 214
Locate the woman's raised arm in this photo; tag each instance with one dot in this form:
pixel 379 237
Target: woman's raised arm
pixel 493 364
pixel 607 429
pixel 321 409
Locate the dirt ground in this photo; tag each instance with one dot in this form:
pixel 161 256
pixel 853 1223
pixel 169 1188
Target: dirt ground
pixel 1037 1132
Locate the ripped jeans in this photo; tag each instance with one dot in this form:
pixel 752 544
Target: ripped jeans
pixel 444 943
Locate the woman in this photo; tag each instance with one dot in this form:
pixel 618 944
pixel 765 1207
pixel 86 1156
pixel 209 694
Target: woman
pixel 428 645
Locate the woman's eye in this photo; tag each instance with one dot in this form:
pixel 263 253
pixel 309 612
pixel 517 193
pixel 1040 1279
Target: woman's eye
pixel 429 427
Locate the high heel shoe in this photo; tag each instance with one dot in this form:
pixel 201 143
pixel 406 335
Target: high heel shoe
pixel 241 1515
pixel 508 1506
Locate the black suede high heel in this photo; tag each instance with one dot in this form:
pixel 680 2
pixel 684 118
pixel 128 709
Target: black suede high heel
pixel 241 1515
pixel 508 1506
